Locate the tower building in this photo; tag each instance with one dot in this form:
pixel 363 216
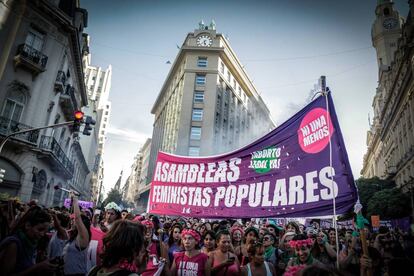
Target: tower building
pixel 390 140
pixel 207 104
pixel 386 31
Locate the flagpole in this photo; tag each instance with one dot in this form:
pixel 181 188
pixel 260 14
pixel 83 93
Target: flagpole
pixel 325 94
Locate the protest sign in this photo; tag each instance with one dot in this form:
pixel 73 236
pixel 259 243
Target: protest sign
pixel 286 173
pixel 83 204
pixel 375 221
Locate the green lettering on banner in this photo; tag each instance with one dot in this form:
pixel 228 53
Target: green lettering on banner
pixel 263 161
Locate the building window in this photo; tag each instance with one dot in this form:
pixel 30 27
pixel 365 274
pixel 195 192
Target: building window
pixel 198 96
pixel 197 114
pixel 202 62
pixel 195 133
pixel 222 67
pixel 14 105
pixel 228 76
pixel 200 79
pixel 193 151
pixel 239 91
pixel 35 40
pixel 234 83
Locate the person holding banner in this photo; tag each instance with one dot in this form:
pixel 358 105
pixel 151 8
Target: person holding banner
pixel 222 261
pixel 191 261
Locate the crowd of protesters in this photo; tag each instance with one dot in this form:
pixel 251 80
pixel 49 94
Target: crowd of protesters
pixel 76 241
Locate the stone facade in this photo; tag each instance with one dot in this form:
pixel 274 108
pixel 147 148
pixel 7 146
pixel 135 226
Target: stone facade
pixel 390 140
pixel 41 83
pixel 207 104
pixel 137 182
pixel 98 86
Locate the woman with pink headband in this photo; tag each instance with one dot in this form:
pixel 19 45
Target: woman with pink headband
pixel 302 245
pixel 191 261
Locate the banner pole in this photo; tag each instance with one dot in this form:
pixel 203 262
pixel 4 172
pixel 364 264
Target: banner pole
pixel 325 94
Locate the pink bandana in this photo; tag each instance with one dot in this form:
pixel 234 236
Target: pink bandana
pixel 300 243
pixel 191 232
pixel 293 270
pixel 237 228
pixel 147 223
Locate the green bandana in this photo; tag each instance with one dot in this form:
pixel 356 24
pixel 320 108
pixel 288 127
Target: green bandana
pixel 26 241
pixel 268 252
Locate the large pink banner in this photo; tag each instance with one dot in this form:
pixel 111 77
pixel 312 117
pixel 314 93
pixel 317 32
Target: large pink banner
pixel 285 173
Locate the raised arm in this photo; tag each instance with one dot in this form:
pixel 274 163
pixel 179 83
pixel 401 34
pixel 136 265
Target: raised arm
pixel 83 235
pixel 61 232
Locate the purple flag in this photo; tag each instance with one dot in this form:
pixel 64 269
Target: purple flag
pixel 286 173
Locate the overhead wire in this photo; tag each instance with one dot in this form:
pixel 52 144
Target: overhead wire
pixel 328 75
pixel 308 57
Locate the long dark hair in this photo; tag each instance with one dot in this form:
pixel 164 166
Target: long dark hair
pixel 123 241
pixel 222 233
pixel 171 235
pixel 34 216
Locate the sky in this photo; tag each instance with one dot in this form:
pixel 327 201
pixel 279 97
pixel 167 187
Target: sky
pixel 285 46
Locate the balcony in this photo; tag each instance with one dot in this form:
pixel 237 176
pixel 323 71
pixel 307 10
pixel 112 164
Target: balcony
pixel 68 102
pixel 31 59
pixel 391 171
pixel 56 156
pixel 60 82
pixel 8 126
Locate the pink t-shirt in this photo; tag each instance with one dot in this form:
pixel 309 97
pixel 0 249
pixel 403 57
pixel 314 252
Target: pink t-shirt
pixel 95 246
pixel 187 266
pixel 152 266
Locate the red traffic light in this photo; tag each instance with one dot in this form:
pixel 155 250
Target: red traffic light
pixel 78 115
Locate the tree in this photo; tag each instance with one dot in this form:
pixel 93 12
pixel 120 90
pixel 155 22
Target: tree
pixel 367 187
pixel 389 204
pixel 113 196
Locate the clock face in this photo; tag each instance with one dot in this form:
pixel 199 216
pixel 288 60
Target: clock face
pixel 390 23
pixel 204 40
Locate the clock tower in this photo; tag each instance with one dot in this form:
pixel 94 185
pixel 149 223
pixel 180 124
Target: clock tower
pixel 385 33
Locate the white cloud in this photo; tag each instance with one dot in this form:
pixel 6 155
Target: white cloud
pixel 128 134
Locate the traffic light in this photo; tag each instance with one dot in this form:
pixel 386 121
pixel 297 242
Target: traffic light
pixel 89 122
pixel 2 172
pixel 77 121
